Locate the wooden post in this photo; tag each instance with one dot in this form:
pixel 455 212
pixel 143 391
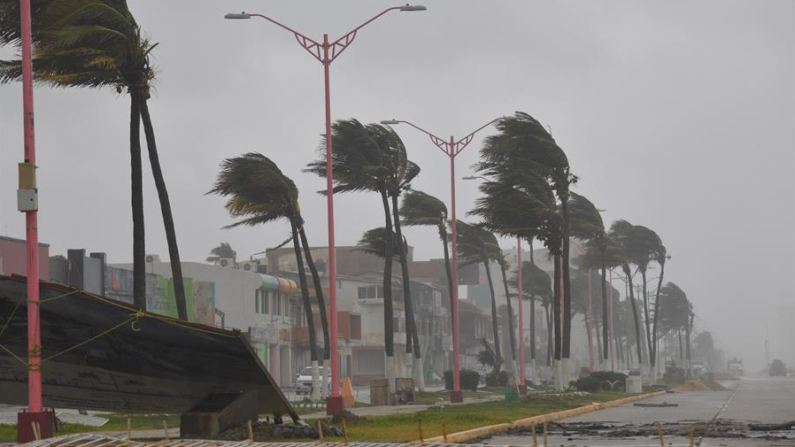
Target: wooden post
pixel 692 435
pixel 444 429
pixel 419 427
pixel 535 436
pixel 129 427
pixel 165 429
pixel 546 435
pixel 319 431
pixel 660 434
pixel 344 430
pixel 250 431
pixel 36 430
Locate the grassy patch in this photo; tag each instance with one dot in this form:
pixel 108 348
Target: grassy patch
pixel 116 422
pixel 404 427
pixel 432 397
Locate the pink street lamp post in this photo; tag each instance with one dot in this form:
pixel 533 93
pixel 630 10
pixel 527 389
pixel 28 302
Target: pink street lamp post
pixel 326 53
pixel 34 423
pixel 451 148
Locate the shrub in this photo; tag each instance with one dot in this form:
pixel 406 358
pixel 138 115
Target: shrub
pixel 469 380
pixel 495 378
pixel 673 374
pixel 601 381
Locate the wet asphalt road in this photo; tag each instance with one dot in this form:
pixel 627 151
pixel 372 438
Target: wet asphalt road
pixel 724 413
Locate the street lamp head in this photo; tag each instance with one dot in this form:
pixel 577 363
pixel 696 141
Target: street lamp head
pixel 390 122
pixel 409 8
pixel 470 177
pixel 237 16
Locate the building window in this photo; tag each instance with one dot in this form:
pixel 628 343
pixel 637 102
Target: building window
pixel 371 292
pixel 261 298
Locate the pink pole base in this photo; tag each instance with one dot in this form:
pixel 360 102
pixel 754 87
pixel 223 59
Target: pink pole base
pixel 456 397
pixel 523 390
pixel 25 422
pixel 334 405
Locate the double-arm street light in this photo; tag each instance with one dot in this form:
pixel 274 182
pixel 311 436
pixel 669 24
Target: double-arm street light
pixel 451 148
pixel 522 384
pixel 326 52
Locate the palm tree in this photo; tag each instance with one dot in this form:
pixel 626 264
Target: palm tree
pixel 419 208
pixel 659 255
pixel 402 172
pixel 259 193
pixel 97 43
pixel 224 250
pixel 523 146
pixel 360 164
pixel 674 311
pixel 622 232
pixel 477 246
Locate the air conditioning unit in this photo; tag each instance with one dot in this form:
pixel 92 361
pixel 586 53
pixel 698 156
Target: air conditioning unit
pixel 151 259
pixel 249 266
pixel 227 262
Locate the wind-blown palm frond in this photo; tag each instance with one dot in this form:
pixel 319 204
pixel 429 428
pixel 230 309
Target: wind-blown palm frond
pixel 419 208
pixel 374 242
pixel 224 250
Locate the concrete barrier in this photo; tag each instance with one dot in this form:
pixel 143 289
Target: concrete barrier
pixel 492 430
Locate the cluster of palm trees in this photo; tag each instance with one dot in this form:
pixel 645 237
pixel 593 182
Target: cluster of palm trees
pixel 526 194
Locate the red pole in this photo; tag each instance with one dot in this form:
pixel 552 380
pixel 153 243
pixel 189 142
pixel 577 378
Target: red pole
pixel 522 385
pixel 334 403
pixel 35 414
pixel 455 395
pixel 31 220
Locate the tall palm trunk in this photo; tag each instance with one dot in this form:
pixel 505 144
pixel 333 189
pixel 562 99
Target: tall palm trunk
pixel 688 328
pixel 605 311
pixel 495 325
pixel 411 326
pixel 681 354
pixel 136 183
pixel 656 309
pixel 532 307
pixel 566 338
pixel 512 336
pixel 321 304
pixel 556 307
pixel 550 327
pixel 310 320
pixel 389 331
pixel 635 316
pixel 647 321
pixel 448 268
pixel 165 210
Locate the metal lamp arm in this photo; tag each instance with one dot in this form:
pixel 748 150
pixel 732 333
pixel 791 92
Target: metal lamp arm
pixel 438 142
pixel 313 47
pixel 339 45
pixel 463 142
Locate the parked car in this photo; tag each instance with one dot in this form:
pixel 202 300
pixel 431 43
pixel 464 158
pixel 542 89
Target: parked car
pixel 303 381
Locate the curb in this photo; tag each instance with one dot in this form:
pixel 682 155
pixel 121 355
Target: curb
pixel 491 430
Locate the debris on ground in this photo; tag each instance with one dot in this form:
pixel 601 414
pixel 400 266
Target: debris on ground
pixel 655 404
pixel 264 431
pixel 723 375
pixel 350 418
pixel 694 385
pixel 768 427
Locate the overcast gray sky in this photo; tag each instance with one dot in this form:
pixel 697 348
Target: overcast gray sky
pixel 677 115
